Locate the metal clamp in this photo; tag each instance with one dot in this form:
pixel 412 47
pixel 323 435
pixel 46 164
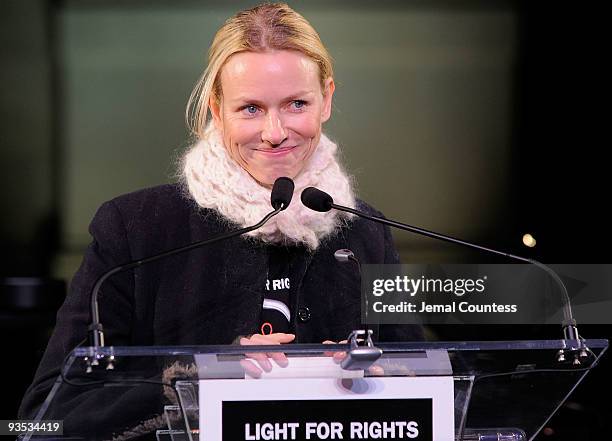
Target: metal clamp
pixel 362 353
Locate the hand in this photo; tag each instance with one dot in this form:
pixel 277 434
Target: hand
pixel 338 356
pixel 262 359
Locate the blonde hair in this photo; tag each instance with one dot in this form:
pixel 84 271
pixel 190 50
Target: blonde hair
pixel 269 26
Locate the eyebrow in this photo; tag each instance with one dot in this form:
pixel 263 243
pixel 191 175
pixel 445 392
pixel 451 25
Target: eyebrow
pixel 245 99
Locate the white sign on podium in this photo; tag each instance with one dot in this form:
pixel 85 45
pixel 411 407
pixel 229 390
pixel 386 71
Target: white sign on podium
pixel 391 408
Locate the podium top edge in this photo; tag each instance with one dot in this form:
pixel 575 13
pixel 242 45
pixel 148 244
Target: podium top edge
pixel 508 345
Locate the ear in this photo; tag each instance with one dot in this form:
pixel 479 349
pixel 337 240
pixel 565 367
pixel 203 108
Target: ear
pixel 328 94
pixel 215 110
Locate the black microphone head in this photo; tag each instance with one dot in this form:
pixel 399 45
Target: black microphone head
pixel 316 199
pixel 282 192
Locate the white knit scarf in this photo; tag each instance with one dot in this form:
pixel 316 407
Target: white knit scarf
pixel 216 181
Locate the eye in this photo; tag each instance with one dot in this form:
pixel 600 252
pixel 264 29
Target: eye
pixel 299 104
pixel 250 109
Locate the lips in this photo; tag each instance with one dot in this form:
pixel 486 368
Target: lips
pixel 277 150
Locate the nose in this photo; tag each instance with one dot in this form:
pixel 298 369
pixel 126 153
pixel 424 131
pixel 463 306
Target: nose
pixel 273 131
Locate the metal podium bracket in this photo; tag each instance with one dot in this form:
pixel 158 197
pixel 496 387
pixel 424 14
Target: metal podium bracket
pixel 362 353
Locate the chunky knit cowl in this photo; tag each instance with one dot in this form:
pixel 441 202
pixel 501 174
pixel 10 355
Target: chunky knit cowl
pixel 216 181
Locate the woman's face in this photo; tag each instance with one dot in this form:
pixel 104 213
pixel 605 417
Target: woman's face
pixel 271 111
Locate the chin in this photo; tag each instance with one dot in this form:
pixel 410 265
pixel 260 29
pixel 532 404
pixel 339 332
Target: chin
pixel 268 179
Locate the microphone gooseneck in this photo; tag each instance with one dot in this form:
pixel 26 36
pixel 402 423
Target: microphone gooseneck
pixel 318 200
pixel 281 195
pixel 345 255
pixel 362 353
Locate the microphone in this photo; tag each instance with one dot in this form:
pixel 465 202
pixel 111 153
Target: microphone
pixel 280 198
pixel 282 192
pixel 318 200
pixel 359 357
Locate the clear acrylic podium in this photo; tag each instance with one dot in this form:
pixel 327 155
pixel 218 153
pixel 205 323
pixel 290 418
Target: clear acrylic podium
pixel 502 390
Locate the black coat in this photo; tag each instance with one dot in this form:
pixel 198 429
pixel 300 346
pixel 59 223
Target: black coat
pixel 209 295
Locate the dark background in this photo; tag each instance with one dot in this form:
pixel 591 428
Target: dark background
pixel 558 189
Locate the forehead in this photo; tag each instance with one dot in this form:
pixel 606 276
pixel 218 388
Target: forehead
pixel 257 74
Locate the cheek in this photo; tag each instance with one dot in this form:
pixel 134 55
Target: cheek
pixel 238 130
pixel 237 135
pixel 308 126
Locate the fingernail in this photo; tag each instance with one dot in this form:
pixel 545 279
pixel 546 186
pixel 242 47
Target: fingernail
pixel 255 374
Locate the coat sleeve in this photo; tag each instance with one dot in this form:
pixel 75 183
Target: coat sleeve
pixel 108 249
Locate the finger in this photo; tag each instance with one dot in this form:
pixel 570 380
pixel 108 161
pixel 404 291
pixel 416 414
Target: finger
pixel 339 356
pixel 282 338
pixel 250 368
pixel 376 370
pixel 280 358
pixel 328 353
pixel 271 339
pixel 261 359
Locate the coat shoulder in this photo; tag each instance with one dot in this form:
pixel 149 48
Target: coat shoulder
pixel 161 205
pixel 156 214
pixel 161 197
pixel 362 205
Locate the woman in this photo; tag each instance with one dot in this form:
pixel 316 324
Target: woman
pixel 269 88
